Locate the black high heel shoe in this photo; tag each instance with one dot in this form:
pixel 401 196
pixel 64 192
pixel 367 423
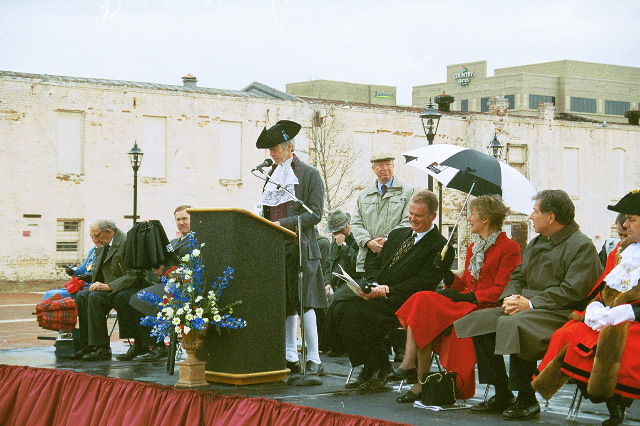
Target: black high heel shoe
pixel 409 398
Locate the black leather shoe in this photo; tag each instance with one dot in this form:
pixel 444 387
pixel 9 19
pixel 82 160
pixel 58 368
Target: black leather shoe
pixel 158 352
pixel 134 351
pixel 408 398
pixel 294 366
pixel 521 411
pixel 365 375
pixel 410 375
pixel 616 413
pixel 314 369
pixel 100 354
pixel 84 351
pixel 493 405
pixel 377 381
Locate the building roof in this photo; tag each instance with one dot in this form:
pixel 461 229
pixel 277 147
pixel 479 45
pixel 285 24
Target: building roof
pixel 254 90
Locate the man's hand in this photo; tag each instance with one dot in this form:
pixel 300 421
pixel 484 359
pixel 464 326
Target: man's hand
pixel 158 271
pixel 99 287
pixel 339 238
pixel 277 222
pixel 377 292
pixel 514 304
pixel 376 244
pixel 328 289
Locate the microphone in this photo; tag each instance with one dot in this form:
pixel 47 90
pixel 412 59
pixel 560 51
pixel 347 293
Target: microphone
pixel 266 163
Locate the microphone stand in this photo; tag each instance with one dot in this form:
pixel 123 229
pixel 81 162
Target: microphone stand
pixel 298 379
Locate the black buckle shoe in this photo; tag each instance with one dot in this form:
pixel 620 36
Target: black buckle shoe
pixel 409 397
pixel 82 352
pixel 294 366
pixel 410 375
pixel 158 352
pixel 493 405
pixel 521 411
pixel 134 351
pixel 314 369
pixel 377 381
pixel 100 354
pixel 365 374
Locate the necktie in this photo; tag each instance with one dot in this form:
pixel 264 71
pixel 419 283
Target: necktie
pixel 383 188
pixel 404 247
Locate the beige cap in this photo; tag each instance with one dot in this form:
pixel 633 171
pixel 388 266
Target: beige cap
pixel 380 156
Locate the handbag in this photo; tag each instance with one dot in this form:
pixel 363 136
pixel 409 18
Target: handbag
pixel 439 388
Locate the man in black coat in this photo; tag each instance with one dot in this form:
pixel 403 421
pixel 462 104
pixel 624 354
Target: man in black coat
pixel 404 266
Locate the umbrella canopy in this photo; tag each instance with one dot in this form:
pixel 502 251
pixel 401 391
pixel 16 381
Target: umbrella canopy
pixel 459 168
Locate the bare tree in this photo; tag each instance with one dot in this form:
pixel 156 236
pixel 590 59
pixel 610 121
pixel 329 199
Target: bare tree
pixel 335 158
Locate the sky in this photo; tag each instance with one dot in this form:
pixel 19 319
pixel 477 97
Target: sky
pixel 227 44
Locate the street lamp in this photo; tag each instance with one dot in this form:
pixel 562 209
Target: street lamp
pixel 135 158
pixel 495 148
pixel 430 120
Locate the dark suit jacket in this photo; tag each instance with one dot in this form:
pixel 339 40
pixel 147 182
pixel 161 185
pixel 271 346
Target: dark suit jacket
pixel 413 272
pixel 112 266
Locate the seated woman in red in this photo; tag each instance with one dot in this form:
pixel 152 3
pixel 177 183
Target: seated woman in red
pixel 599 347
pixel 428 316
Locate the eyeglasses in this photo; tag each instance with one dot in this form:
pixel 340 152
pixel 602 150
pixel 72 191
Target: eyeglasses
pixel 94 236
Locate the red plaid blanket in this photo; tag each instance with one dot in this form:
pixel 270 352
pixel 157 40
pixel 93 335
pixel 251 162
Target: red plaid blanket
pixel 57 313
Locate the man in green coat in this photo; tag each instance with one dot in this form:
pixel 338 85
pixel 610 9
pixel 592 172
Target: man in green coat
pixel 559 267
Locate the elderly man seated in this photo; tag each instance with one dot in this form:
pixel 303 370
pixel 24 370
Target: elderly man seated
pixel 599 347
pixel 558 270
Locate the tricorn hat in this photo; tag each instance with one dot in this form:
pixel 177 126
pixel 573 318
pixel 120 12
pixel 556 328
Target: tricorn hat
pixel 336 220
pixel 282 131
pixel 629 204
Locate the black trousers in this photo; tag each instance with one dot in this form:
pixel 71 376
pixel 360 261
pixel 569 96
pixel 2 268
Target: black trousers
pixel 129 318
pixel 492 370
pixel 93 308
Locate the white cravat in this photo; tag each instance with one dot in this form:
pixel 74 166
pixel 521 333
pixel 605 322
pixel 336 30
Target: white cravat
pixel 284 175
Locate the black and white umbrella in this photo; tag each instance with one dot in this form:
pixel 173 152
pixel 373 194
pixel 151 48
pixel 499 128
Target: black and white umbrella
pixel 474 173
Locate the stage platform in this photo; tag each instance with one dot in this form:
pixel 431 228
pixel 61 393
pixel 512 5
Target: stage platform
pixel 331 395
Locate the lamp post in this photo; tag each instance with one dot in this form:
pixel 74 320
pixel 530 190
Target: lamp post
pixel 495 148
pixel 135 158
pixel 430 119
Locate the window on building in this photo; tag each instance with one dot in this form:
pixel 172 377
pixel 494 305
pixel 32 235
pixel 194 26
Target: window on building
pixel 68 241
pixel 154 146
pixel 484 105
pixel 69 145
pixel 618 173
pixel 464 105
pixel 517 157
pixel 535 100
pixel 512 101
pixel 583 105
pixel 571 171
pixel 230 151
pixel 616 107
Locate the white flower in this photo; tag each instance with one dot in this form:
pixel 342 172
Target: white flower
pixel 185 258
pixel 189 317
pixel 199 298
pixel 186 329
pixel 177 329
pixel 159 315
pixel 176 321
pixel 180 311
pixel 199 312
pixel 217 318
pixel 196 253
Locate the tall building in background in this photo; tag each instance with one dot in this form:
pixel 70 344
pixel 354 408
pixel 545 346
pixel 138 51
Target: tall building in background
pixel 594 91
pixel 344 92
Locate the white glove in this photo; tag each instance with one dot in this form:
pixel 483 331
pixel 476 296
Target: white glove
pixel 620 314
pixel 596 316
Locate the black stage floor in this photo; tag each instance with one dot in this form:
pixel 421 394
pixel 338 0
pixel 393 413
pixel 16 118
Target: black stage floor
pixel 331 395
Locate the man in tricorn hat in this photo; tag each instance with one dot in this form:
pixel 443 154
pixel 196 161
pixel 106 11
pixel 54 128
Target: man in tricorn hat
pixel 305 182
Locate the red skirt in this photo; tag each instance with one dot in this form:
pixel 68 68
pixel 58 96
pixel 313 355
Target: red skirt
pixel 581 350
pixel 429 314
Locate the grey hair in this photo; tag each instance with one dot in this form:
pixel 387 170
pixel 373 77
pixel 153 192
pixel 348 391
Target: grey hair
pixel 103 223
pixel 291 142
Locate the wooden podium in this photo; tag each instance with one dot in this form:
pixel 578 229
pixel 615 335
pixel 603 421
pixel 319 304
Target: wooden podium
pixel 255 248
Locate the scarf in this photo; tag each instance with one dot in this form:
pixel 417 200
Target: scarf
pixel 284 175
pixel 626 274
pixel 478 249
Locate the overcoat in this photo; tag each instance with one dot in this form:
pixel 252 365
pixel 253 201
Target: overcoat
pixel 556 275
pixel 375 216
pixel 309 190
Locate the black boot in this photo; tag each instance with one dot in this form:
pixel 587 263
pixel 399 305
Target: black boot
pixel 617 409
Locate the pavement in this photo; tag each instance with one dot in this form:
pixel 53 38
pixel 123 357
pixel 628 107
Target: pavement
pixel 20 345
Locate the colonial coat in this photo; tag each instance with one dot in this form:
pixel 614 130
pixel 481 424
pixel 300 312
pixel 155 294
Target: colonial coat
pixel 375 216
pixel 606 361
pixel 430 314
pixel 309 190
pixel 366 322
pixel 556 275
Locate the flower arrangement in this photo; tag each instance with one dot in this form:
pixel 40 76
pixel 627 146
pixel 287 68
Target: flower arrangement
pixel 188 303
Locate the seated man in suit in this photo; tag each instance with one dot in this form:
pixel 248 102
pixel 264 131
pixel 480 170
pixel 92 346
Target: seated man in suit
pixel 404 266
pixel 136 308
pixel 95 302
